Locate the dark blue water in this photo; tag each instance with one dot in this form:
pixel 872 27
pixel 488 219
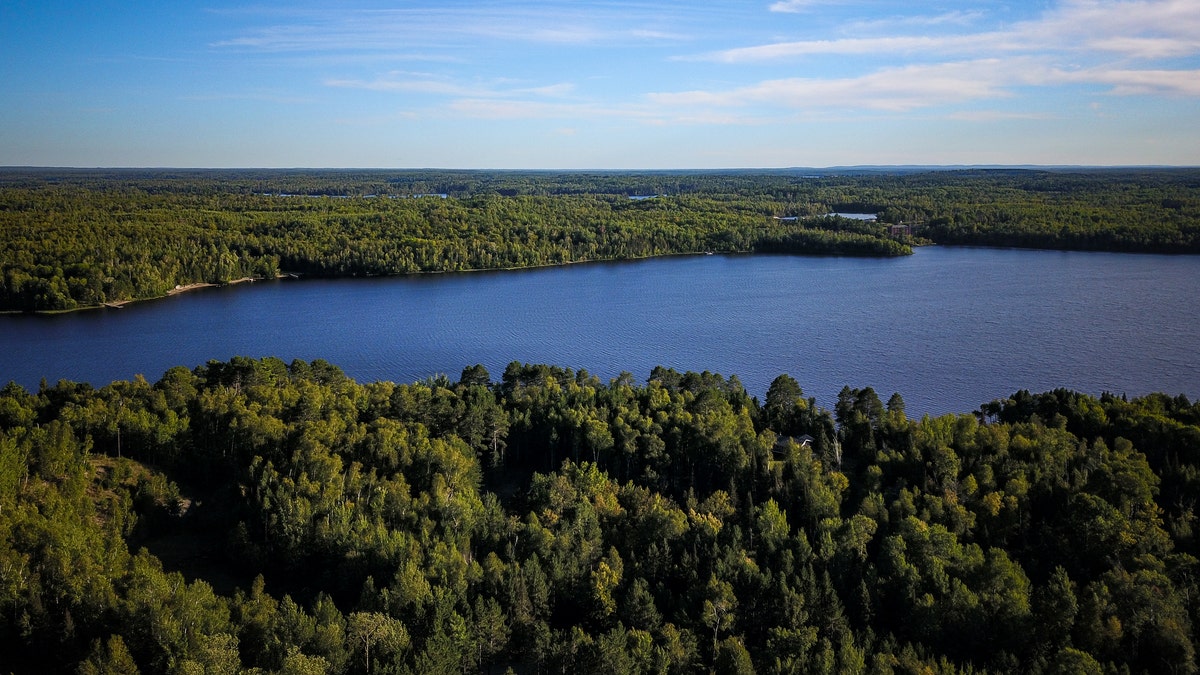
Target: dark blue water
pixel 948 328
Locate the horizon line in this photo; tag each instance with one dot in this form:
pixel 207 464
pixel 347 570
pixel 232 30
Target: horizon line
pixel 840 167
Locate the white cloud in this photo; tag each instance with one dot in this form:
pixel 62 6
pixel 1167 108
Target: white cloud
pixel 267 97
pixel 893 89
pixel 651 115
pixel 513 109
pixel 552 90
pixel 414 85
pixel 905 63
pixel 847 46
pixel 659 35
pixel 1146 82
pixel 1140 28
pixel 424 83
pixel 1117 47
pixel 955 18
pixel 995 116
pixel 920 86
pixel 1144 29
pixel 792 6
pixel 437 27
pixel 1147 48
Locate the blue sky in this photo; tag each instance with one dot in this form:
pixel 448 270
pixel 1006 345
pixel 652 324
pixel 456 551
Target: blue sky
pixel 594 84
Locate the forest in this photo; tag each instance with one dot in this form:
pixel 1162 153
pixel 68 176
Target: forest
pixel 73 238
pixel 257 516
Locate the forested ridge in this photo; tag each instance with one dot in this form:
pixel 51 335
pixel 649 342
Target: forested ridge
pixel 80 238
pixel 259 516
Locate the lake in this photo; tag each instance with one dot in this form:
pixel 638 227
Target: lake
pixel 948 328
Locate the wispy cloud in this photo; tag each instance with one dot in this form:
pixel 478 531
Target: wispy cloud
pixel 436 26
pixel 1136 29
pixel 1117 47
pixel 955 18
pixel 893 89
pixel 847 46
pixel 513 108
pixel 1143 82
pixel 988 116
pixel 410 85
pixel 268 97
pixel 1147 48
pixel 793 6
pixel 427 83
pixel 551 90
pixel 924 86
pixel 892 65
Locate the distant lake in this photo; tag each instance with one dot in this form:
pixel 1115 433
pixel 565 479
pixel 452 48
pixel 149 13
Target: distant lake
pixel 948 328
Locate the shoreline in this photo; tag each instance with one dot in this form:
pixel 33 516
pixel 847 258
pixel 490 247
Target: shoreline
pixel 178 290
pixel 200 285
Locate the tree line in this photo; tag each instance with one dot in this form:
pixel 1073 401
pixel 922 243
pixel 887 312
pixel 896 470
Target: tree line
pixel 258 516
pixel 77 238
pixel 72 247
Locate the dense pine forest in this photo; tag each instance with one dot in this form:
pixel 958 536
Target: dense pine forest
pixel 80 238
pixel 258 516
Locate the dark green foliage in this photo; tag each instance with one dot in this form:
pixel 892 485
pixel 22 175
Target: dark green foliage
pixel 550 522
pixel 77 238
